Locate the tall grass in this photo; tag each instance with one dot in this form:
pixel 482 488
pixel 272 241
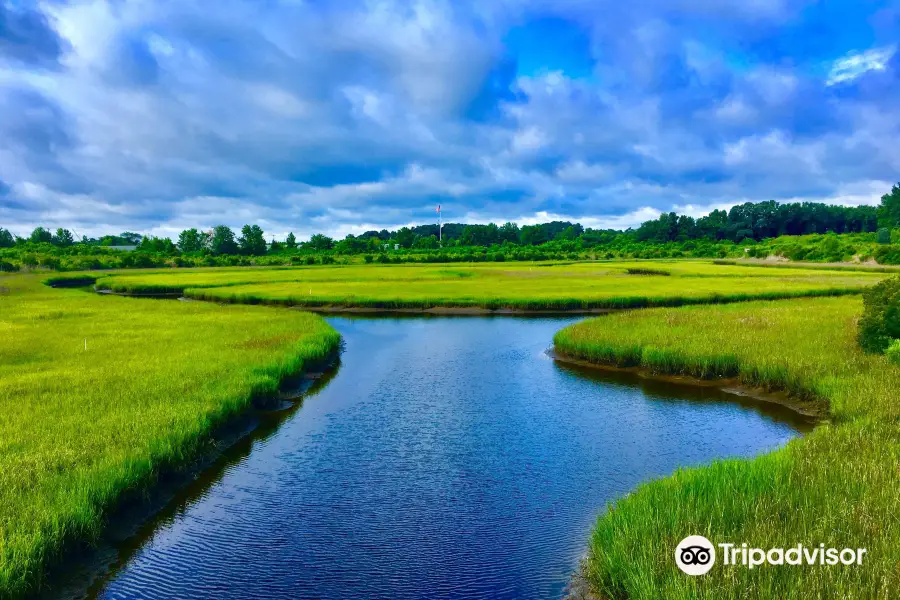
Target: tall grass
pixel 646 271
pixel 761 263
pixel 98 395
pixel 836 486
pixel 578 286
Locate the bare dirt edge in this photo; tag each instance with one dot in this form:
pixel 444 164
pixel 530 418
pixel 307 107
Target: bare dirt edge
pixel 731 385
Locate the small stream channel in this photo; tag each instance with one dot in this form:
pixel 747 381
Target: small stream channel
pixel 447 457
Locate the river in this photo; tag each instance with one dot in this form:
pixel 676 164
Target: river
pixel 447 457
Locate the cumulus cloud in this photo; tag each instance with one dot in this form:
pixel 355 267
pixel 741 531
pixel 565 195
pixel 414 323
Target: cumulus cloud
pixel 345 116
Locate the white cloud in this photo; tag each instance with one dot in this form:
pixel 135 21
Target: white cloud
pixel 855 64
pixel 361 115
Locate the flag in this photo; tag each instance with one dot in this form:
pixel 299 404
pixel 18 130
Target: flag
pixel 438 210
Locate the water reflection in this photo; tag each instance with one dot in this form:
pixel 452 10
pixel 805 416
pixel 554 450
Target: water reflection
pixel 446 458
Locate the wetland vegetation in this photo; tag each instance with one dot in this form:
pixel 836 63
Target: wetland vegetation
pixel 836 485
pixel 530 286
pixel 101 394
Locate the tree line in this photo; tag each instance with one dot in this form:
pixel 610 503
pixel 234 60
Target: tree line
pixel 745 222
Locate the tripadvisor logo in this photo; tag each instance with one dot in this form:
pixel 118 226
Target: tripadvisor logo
pixel 696 555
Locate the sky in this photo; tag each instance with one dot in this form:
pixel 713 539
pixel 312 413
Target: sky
pixel 338 117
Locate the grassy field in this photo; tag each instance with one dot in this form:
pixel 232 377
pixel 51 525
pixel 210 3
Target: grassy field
pixel 80 425
pixel 581 285
pixel 837 486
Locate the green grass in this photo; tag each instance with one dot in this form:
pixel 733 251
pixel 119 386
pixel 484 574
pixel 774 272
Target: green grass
pixel 78 428
pixel 761 263
pixel 838 485
pixel 81 427
pixel 646 271
pixel 581 285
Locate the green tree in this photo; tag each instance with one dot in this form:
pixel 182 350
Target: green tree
pixel 509 232
pixel 156 244
pixel 426 242
pixel 222 241
pixel 879 325
pixel 889 210
pixel 189 240
pixel 291 241
pixel 63 238
pixel 405 237
pixel 41 235
pixel 6 239
pixel 252 242
pixel 883 236
pixel 350 245
pixel 320 242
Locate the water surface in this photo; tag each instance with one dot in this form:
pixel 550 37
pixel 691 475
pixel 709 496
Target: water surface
pixel 448 458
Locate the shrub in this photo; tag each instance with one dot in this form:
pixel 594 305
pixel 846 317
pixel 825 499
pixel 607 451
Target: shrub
pixel 633 271
pixel 50 262
pixel 888 254
pixel 6 266
pixel 893 352
pixel 880 321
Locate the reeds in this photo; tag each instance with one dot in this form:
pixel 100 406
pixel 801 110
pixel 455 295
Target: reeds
pixel 838 485
pixel 98 395
pixel 575 286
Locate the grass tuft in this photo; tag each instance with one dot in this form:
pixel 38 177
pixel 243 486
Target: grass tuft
pixel 646 271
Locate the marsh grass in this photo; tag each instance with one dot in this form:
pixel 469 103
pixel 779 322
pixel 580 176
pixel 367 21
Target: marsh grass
pixel 101 394
pixel 646 271
pixel 760 263
pixel 538 286
pixel 838 485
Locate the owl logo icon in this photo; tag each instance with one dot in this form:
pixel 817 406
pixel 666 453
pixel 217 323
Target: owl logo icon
pixel 695 555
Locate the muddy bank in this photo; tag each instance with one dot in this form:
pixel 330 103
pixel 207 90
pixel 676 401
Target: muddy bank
pixel 733 385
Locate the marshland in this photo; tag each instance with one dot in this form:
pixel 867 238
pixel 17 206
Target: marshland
pixel 103 394
pixel 408 299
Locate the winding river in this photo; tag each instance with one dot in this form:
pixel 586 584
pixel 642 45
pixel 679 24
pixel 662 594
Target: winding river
pixel 445 458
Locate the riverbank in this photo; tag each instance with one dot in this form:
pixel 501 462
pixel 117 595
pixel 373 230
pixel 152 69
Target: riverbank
pixel 104 395
pixel 751 344
pixel 812 408
pixel 83 568
pixel 834 486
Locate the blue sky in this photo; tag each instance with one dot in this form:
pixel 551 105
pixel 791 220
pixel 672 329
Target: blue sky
pixel 337 117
